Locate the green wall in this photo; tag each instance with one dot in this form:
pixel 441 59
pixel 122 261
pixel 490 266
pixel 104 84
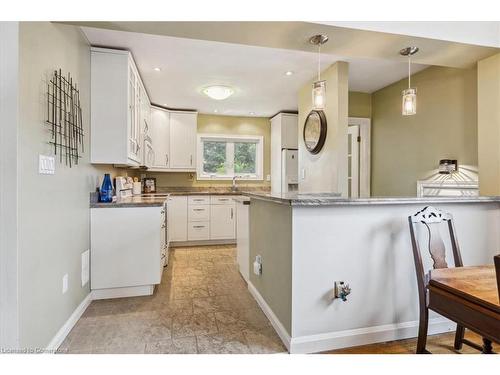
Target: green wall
pixel 360 104
pixel 408 148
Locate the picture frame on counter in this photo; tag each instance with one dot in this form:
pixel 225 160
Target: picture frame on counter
pixel 149 185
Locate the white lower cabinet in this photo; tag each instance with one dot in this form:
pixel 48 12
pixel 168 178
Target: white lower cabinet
pixel 222 221
pixel 201 218
pixel 126 250
pixel 198 230
pixel 177 210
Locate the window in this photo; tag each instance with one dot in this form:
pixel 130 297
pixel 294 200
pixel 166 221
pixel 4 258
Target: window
pixel 227 156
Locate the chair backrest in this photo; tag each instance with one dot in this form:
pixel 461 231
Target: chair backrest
pixel 497 270
pixel 432 218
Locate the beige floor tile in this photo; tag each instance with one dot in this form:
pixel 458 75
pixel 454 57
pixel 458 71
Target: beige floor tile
pixel 184 345
pixel 199 284
pixel 192 325
pixel 264 341
pixel 222 344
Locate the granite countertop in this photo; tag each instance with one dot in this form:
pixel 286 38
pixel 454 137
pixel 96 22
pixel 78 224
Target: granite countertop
pixel 158 199
pixel 334 199
pixel 134 201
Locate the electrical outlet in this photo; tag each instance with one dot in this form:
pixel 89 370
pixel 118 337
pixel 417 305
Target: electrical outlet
pixel 85 267
pixel 268 177
pixel 257 265
pixel 65 283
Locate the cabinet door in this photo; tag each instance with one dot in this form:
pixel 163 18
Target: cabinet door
pixel 160 137
pixel 183 140
pixel 177 210
pixel 133 144
pixel 222 222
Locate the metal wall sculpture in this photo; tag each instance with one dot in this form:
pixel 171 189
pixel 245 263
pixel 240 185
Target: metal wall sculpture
pixel 64 117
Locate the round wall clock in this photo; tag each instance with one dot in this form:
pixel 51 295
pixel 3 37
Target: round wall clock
pixel 315 131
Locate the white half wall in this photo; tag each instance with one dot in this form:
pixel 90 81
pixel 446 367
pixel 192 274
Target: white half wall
pixel 369 248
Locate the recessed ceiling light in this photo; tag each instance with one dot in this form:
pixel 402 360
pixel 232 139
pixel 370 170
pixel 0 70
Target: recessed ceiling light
pixel 218 92
pixel 157 69
pixel 216 110
pixel 252 113
pixel 288 73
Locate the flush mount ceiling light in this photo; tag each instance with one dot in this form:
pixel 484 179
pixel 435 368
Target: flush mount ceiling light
pixel 319 87
pixel 409 96
pixel 218 92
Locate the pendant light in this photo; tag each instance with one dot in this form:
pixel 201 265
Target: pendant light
pixel 409 96
pixel 319 87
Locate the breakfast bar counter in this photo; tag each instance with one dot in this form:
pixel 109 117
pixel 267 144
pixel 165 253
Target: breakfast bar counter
pixel 308 242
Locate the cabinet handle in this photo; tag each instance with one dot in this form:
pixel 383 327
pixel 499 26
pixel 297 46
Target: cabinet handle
pixel 162 212
pixel 163 226
pixel 231 213
pixel 198 226
pixel 191 160
pixel 198 209
pixel 223 199
pixel 166 159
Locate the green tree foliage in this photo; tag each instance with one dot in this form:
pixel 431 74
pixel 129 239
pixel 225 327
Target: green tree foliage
pixel 214 157
pixel 244 157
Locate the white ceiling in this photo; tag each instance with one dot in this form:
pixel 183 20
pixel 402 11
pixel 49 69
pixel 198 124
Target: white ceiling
pixel 256 73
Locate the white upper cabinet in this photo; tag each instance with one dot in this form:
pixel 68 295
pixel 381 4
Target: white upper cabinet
pixel 159 132
pixel 118 108
pixel 183 126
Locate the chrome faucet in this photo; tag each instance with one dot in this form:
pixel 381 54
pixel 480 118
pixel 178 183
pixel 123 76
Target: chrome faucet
pixel 234 187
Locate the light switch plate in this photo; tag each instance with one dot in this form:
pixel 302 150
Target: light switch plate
pixel 46 164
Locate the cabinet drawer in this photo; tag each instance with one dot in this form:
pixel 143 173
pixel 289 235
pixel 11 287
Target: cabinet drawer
pixel 198 199
pixel 199 231
pixel 221 199
pixel 199 212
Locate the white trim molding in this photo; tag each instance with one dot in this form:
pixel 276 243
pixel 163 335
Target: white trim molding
pixel 348 338
pixel 278 327
pixel 364 336
pixel 230 141
pixel 364 154
pixel 69 324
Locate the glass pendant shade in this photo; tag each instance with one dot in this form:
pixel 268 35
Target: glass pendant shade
pixel 319 95
pixel 409 103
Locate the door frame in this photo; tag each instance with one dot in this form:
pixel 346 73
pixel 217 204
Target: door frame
pixel 364 154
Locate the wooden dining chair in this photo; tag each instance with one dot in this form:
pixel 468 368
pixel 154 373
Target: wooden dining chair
pixel 497 271
pixel 432 219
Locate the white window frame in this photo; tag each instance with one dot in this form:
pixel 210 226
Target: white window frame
pixel 231 139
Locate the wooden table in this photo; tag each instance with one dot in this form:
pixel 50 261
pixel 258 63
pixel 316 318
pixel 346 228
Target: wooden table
pixel 468 296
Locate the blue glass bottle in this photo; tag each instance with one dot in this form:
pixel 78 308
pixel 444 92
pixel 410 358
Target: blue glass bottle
pixel 107 189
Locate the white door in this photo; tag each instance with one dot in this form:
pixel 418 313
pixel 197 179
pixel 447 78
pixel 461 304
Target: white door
pixel 160 136
pixel 183 140
pixel 177 209
pixel 353 161
pixel 222 222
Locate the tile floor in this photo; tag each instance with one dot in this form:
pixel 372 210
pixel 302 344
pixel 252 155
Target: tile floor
pixel 201 306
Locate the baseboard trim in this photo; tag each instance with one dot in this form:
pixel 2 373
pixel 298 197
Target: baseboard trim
pixel 130 291
pixel 175 244
pixel 348 338
pixel 364 336
pixel 278 327
pixel 69 324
